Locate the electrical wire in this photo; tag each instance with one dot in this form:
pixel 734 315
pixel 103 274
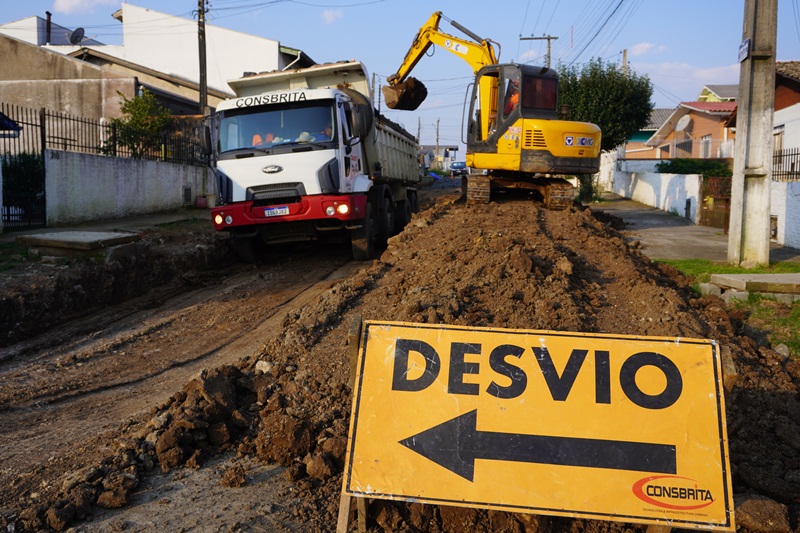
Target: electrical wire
pixel 597 32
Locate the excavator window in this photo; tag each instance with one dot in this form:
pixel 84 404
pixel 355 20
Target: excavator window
pixel 539 94
pixel 511 91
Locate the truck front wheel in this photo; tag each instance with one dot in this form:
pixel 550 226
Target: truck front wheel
pixel 363 239
pixel 245 249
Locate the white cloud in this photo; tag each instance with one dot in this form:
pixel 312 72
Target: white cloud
pixel 641 49
pixel 70 7
pixel 684 81
pixel 528 55
pixel 331 15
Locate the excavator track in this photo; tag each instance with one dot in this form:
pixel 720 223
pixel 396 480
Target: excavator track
pixel 558 193
pixel 479 189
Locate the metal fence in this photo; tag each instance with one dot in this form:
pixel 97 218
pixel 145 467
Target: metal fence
pixel 786 165
pixel 26 133
pixel 43 129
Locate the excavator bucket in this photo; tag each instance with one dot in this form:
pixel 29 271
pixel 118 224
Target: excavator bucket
pixel 405 96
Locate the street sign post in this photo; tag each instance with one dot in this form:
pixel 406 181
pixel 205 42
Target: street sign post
pixel 594 426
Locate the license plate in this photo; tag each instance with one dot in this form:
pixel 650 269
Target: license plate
pixel 276 211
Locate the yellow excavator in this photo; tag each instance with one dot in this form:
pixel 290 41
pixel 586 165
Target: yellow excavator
pixel 515 136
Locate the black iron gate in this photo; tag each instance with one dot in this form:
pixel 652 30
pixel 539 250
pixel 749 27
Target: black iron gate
pixel 22 159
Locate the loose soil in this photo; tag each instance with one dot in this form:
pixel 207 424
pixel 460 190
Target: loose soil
pixel 92 437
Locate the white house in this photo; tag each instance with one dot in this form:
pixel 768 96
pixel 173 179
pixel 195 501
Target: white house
pixel 785 195
pixel 168 44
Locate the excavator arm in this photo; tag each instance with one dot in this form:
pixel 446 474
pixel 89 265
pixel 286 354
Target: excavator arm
pixel 407 93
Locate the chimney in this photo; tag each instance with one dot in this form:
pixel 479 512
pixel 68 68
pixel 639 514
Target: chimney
pixel 47 31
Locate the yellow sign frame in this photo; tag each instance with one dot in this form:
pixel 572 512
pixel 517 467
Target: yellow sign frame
pixel 596 426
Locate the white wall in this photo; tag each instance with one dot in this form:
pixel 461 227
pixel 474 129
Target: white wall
pixel 668 192
pixel 785 196
pixel 785 204
pixel 84 187
pixel 169 44
pixel 789 118
pixel 605 176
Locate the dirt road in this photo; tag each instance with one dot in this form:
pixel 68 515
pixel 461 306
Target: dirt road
pixel 84 381
pixel 91 441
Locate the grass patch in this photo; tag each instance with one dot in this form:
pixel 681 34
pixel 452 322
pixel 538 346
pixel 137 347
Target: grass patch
pixel 700 270
pixel 12 255
pixel 778 322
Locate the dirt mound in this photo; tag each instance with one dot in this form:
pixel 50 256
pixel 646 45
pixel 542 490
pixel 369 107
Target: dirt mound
pixel 508 264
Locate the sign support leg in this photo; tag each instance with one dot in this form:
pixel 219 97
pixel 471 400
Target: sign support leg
pixel 346 500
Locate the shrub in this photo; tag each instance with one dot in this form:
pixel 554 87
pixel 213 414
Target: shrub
pixel 706 167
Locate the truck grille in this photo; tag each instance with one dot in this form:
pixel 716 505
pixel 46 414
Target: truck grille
pixel 534 139
pixel 276 193
pixel 273 186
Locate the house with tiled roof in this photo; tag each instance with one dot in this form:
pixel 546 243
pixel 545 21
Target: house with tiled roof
pixel 696 130
pixel 635 148
pixel 718 93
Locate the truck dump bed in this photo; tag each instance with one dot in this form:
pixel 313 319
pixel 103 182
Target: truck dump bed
pixel 397 151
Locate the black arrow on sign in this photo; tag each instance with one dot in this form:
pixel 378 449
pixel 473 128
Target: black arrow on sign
pixel 456 444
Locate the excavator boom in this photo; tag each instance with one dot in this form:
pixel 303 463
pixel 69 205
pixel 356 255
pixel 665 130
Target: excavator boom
pixel 406 93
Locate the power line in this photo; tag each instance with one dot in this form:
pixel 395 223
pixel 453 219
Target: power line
pixel 598 31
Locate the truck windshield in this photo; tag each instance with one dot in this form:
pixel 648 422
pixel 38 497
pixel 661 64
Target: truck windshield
pixel 273 125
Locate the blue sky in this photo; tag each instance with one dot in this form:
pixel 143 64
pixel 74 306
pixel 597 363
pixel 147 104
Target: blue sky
pixel 680 45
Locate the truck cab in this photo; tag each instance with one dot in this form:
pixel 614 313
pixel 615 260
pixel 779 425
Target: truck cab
pixel 299 155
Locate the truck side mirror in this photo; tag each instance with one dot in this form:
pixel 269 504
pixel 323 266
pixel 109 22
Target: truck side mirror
pixel 356 120
pixel 205 141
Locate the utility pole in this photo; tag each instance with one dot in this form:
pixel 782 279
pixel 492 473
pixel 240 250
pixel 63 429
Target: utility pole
pixel 437 140
pixel 749 231
pixel 624 62
pixel 201 44
pixel 419 129
pixel 548 38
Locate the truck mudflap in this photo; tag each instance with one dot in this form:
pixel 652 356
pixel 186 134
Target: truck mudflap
pixel 328 211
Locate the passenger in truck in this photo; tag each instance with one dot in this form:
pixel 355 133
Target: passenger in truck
pixel 259 140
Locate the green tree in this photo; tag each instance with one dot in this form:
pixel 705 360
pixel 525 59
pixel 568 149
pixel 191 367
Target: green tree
pixel 141 127
pixel 600 93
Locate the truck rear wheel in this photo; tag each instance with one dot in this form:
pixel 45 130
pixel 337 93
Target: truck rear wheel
pixel 413 201
pixel 402 215
pixel 362 239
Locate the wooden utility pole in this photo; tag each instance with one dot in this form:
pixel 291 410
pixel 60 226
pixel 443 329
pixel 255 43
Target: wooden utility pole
pixel 201 44
pixel 749 231
pixel 548 38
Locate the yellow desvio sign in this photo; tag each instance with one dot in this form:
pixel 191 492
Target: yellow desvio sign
pixel 601 426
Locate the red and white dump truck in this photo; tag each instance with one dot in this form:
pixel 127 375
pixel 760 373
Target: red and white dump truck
pixel 303 155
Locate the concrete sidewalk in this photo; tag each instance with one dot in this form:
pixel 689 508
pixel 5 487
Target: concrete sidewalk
pixel 100 233
pixel 667 236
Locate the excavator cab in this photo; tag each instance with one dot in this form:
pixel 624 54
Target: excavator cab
pixel 514 132
pixel 515 125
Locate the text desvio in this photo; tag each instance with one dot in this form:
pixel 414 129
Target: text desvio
pixel 505 360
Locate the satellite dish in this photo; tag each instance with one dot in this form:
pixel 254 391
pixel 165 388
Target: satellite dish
pixel 684 122
pixel 76 36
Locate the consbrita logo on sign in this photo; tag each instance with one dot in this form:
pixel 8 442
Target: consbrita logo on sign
pixel 672 492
